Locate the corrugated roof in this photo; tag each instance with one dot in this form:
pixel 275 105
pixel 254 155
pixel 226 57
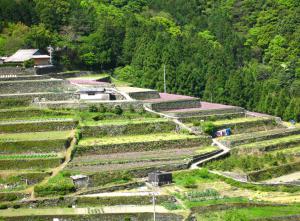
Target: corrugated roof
pixel 22 55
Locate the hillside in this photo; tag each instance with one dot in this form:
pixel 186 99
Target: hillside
pixel 239 52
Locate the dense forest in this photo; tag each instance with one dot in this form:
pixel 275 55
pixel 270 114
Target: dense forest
pixel 240 52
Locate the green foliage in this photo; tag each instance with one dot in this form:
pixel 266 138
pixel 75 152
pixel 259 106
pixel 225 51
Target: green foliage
pixel 248 162
pixel 60 184
pixel 190 179
pixel 240 53
pixel 208 127
pixel 28 63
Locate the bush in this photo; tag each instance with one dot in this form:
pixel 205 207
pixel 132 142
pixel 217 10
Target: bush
pixel 93 108
pixel 28 63
pixel 118 110
pixel 208 127
pixel 3 206
pixel 61 184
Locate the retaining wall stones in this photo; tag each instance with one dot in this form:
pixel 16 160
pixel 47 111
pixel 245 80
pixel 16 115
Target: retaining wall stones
pixel 212 117
pixel 84 105
pixel 144 95
pixel 175 104
pixel 51 85
pixel 199 113
pixel 15 71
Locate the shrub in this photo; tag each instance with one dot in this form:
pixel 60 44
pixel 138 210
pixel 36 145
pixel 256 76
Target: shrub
pixel 93 108
pixel 61 184
pixel 28 63
pixel 208 127
pixel 102 109
pixel 3 206
pixel 171 206
pixel 118 110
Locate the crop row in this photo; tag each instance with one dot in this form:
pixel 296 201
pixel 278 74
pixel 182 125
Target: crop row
pixel 32 156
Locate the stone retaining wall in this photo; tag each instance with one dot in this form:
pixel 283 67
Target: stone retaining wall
pixel 15 71
pixel 198 113
pixel 52 85
pixel 175 104
pixel 144 95
pixel 125 105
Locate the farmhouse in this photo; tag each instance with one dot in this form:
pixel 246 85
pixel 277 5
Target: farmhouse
pixel 27 54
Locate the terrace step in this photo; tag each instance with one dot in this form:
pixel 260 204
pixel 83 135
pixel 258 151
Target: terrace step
pixel 240 139
pixel 38 142
pixel 206 109
pixel 128 127
pixel 35 161
pixel 247 124
pixel 11 77
pixel 22 126
pixel 139 143
pixel 140 93
pixel 168 102
pixel 212 117
pixel 270 145
pixel 21 113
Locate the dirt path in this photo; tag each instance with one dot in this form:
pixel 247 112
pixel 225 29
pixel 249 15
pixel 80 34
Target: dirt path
pixel 56 170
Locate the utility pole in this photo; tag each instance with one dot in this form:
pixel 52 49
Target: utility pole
pixel 165 84
pixel 154 212
pixel 50 50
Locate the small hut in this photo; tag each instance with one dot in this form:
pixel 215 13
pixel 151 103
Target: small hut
pixel 160 178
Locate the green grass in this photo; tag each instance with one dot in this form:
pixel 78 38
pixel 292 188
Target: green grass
pixel 289 151
pixel 35 136
pixel 250 213
pixel 204 150
pixel 189 179
pixel 26 156
pixel 225 200
pixel 134 138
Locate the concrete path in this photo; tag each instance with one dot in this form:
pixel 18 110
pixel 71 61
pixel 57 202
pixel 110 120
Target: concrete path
pixel 286 178
pixel 225 150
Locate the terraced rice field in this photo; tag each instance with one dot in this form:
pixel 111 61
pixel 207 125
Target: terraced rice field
pixel 140 156
pixel 239 139
pixel 134 139
pixel 274 144
pixel 35 136
pixel 124 121
pixel 128 166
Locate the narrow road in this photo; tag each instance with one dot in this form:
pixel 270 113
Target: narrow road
pixel 225 150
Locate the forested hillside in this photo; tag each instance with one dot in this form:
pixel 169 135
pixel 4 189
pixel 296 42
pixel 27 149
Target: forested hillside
pixel 240 52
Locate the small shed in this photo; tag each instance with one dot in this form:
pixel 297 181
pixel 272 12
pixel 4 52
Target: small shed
pixel 94 94
pixel 80 181
pixel 159 178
